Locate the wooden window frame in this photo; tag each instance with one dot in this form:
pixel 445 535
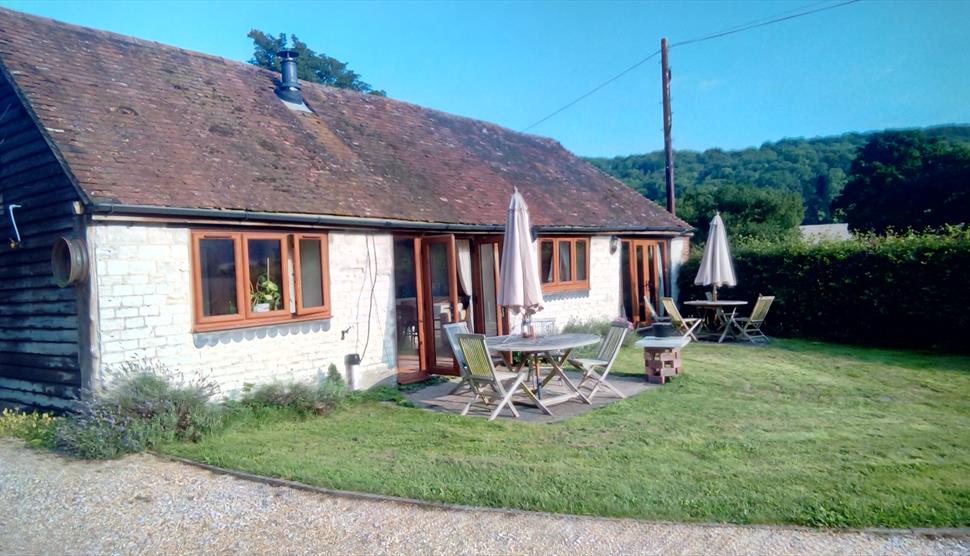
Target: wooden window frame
pixel 322 310
pixel 284 311
pixel 558 285
pixel 245 317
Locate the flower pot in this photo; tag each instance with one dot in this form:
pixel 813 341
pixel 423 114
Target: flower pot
pixel 261 308
pixel 662 329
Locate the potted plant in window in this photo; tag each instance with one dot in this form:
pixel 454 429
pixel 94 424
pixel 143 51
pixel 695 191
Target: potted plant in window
pixel 265 296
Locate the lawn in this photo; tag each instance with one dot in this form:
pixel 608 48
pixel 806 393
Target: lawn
pixel 797 432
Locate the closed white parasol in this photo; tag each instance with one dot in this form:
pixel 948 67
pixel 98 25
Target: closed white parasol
pixel 716 267
pixel 519 286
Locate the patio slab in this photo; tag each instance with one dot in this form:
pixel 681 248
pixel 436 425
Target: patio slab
pixel 438 397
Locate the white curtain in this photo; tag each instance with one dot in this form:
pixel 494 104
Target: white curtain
pixel 465 275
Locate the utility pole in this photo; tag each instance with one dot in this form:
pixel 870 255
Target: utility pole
pixel 668 146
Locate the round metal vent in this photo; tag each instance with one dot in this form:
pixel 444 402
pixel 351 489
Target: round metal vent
pixel 69 261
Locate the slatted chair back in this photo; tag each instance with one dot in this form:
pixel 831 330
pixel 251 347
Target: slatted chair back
pixel 673 313
pixel 451 332
pixel 760 310
pixel 477 360
pixel 544 326
pixel 610 346
pixel 654 316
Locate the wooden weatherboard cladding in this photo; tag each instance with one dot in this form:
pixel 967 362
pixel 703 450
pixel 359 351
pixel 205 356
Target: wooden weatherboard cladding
pixel 563 263
pixel 242 279
pixel 39 339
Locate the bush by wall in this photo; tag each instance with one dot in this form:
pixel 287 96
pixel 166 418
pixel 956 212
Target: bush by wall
pixel 902 291
pixel 142 405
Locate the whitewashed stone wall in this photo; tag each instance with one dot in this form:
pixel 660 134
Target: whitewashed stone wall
pixel 145 311
pixel 600 302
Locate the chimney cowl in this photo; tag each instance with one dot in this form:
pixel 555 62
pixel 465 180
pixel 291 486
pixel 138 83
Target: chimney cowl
pixel 289 87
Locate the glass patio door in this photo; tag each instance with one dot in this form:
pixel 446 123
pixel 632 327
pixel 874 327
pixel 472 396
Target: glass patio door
pixel 644 277
pixel 439 299
pixel 489 317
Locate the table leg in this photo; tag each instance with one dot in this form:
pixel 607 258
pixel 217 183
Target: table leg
pixel 727 324
pixel 535 370
pixel 557 370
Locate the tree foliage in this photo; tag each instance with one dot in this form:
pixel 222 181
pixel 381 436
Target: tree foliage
pixel 905 180
pixel 749 212
pixel 816 169
pixel 310 66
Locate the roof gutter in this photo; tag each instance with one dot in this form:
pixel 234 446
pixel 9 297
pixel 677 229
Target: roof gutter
pixel 118 209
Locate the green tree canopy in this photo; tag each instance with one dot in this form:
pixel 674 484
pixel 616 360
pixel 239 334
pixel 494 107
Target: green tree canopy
pixel 905 180
pixel 814 168
pixel 310 66
pixel 753 212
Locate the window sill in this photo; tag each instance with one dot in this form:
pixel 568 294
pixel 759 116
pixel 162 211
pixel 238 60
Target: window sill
pixel 566 288
pixel 254 323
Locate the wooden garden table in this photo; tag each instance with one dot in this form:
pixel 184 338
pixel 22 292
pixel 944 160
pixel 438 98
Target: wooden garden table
pixel 553 349
pixel 721 317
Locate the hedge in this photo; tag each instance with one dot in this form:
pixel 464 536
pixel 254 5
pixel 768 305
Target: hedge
pixel 902 291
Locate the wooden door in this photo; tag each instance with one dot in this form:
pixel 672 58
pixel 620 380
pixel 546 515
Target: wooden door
pixel 438 292
pixel 490 318
pixel 645 275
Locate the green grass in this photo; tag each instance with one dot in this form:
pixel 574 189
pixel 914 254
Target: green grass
pixel 798 432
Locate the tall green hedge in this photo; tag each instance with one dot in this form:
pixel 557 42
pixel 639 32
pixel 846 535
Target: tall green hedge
pixel 901 291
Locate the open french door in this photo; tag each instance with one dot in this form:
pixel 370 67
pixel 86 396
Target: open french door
pixel 438 302
pixel 645 276
pixel 489 318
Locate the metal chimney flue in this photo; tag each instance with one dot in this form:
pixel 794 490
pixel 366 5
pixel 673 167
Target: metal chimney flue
pixel 289 87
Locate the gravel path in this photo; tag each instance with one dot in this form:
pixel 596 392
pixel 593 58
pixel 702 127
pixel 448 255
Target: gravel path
pixel 142 504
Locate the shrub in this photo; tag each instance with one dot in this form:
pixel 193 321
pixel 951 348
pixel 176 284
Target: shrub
pixel 141 405
pixel 35 428
pixel 302 397
pixel 899 290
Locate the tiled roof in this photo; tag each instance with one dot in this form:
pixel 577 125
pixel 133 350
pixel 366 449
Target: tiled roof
pixel 142 123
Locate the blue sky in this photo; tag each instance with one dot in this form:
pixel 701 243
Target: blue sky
pixel 870 65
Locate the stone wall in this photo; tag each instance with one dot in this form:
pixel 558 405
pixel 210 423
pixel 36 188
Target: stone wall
pixel 600 302
pixel 145 311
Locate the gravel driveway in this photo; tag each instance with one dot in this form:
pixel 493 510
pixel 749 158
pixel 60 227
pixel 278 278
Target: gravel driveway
pixel 143 504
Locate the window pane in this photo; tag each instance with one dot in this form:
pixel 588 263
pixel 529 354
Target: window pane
pixel 265 274
pixel 545 261
pixel 311 273
pixel 580 260
pixel 217 259
pixel 565 260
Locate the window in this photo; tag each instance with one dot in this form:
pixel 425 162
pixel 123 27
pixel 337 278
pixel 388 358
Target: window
pixel 564 263
pixel 310 274
pixel 244 279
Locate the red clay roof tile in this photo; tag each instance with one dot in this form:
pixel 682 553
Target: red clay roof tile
pixel 147 124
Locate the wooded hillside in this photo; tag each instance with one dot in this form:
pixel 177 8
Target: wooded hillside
pixel 813 168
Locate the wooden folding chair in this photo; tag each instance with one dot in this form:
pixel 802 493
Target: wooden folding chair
pixel 483 377
pixel 749 328
pixel 451 332
pixel 604 359
pixel 652 313
pixel 684 327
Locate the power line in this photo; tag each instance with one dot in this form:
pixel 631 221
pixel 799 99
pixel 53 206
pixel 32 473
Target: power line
pixel 761 24
pixel 717 34
pixel 595 89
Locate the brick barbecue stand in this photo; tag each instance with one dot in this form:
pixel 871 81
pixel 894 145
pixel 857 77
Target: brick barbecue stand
pixel 661 363
pixel 661 357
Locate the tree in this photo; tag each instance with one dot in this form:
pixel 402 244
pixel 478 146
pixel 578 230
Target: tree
pixel 754 212
pixel 813 168
pixel 905 180
pixel 310 66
